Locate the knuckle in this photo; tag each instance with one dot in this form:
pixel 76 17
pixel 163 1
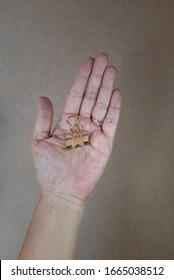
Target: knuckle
pixel 101 105
pixel 90 94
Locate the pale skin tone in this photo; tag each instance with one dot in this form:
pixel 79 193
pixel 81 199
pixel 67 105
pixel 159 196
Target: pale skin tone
pixel 67 177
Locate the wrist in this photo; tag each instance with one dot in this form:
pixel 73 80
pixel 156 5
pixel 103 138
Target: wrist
pixel 63 202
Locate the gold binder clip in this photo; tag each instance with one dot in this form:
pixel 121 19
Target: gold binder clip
pixel 77 136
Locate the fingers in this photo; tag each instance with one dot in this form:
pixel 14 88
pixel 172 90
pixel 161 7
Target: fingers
pixel 93 87
pixel 44 118
pixel 112 117
pixel 105 93
pixel 75 97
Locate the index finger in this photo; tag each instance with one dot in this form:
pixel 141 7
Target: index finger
pixel 75 97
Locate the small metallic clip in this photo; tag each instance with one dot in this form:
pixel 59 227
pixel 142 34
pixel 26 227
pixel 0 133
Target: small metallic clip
pixel 77 136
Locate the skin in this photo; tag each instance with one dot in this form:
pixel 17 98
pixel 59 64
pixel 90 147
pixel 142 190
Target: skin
pixel 67 177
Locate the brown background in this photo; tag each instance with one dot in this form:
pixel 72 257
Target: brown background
pixel 131 213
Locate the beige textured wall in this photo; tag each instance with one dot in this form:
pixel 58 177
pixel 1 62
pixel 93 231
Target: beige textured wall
pixel 131 213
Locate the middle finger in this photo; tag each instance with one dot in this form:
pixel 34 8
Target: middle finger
pixel 93 86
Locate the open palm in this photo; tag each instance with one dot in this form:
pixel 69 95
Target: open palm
pixel 75 172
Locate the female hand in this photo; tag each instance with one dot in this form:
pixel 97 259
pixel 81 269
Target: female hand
pixel 73 174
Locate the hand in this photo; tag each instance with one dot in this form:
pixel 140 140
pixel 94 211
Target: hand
pixel 74 173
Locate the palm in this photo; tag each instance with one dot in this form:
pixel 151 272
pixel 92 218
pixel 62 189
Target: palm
pixel 75 172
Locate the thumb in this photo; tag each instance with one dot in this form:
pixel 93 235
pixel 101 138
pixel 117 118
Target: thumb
pixel 44 119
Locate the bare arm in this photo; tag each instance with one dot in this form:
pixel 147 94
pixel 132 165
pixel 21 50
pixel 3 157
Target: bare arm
pixel 54 230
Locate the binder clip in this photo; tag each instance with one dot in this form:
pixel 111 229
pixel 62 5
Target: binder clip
pixel 77 136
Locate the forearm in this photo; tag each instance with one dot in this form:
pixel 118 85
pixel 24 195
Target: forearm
pixel 54 230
